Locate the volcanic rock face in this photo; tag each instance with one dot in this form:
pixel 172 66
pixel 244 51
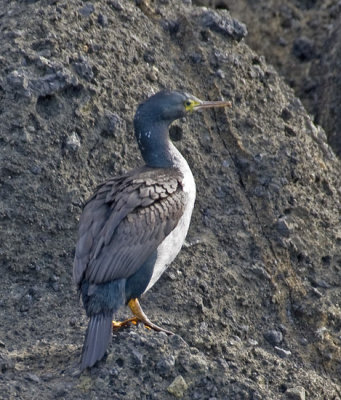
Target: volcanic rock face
pixel 254 295
pixel 302 39
pixel 327 72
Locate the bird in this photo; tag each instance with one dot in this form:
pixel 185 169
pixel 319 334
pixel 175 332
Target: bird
pixel 134 225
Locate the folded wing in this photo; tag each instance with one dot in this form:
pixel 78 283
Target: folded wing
pixel 124 222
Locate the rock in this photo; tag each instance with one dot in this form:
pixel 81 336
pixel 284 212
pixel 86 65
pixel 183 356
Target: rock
pixel 73 142
pixel 282 353
pixel 224 24
pixel 116 5
pixel 220 73
pixel 260 271
pixel 6 363
pixel 286 114
pixel 177 342
pixel 195 58
pixel 102 20
pixel 289 131
pixel 149 56
pixel 273 337
pixel 36 169
pixel 296 393
pixel 170 26
pixel 178 387
pixel 87 9
pixel 111 124
pixel 282 227
pixel 137 357
pixel 18 80
pixel 303 49
pixel 26 302
pixel 84 69
pixel 252 342
pixel 151 75
pixel 326 99
pixel 239 279
pixel 33 378
pixel 165 365
pixel 85 383
pixel 52 83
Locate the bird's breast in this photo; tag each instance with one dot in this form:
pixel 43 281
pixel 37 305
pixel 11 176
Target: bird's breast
pixel 171 245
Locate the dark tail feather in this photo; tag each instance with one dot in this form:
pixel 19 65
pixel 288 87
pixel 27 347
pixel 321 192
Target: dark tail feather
pixel 97 339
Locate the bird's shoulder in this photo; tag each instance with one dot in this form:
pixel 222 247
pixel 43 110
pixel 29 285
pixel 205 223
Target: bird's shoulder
pixel 145 196
pixel 143 185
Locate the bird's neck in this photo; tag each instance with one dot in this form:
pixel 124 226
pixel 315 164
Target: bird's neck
pixel 156 148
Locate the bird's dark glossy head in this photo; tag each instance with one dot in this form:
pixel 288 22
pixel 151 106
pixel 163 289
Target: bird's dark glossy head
pixel 153 117
pixel 164 107
pixel 168 106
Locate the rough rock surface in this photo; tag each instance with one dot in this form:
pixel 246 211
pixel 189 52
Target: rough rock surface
pixel 327 74
pixel 262 258
pixel 302 39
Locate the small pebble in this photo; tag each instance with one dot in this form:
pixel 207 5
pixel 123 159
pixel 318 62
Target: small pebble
pixel 87 9
pixel 273 337
pixel 282 353
pixel 177 342
pixel 220 74
pixel 26 303
pixel 73 142
pixel 253 342
pixel 138 357
pixel 55 286
pixel 178 387
pixel 116 5
pixel 151 76
pixel 84 69
pixel 195 58
pixel 36 170
pixel 111 124
pixel 283 227
pixel 289 131
pixel 102 20
pixel 286 114
pixel 296 393
pixel 304 341
pixel 17 79
pixel 165 365
pixel 33 378
pixel 149 56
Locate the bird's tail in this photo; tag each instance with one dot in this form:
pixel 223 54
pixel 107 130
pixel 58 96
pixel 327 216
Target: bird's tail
pixel 97 339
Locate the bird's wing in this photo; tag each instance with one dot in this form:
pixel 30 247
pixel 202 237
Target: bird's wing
pixel 124 222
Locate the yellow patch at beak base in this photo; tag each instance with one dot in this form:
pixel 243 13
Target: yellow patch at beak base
pixel 191 104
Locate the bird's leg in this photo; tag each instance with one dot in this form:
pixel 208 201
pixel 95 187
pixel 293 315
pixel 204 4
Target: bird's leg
pixel 140 316
pixel 136 309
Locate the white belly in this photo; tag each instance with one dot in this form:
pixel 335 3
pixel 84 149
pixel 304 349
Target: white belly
pixel 172 244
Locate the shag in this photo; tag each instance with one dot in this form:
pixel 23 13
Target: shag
pixel 134 225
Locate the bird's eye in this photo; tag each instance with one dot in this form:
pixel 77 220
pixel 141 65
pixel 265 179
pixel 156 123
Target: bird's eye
pixel 188 103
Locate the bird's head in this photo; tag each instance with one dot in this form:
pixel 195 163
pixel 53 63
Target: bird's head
pixel 153 117
pixel 168 106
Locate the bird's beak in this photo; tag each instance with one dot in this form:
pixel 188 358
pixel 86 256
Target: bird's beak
pixel 211 104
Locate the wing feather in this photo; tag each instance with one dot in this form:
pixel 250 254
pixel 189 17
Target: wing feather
pixel 124 222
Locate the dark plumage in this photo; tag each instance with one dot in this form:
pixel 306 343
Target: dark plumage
pixel 133 226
